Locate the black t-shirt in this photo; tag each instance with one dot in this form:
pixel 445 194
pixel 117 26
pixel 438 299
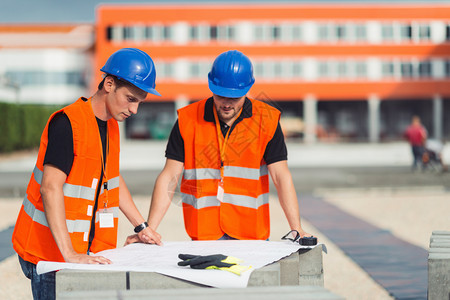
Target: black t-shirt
pixel 60 142
pixel 275 150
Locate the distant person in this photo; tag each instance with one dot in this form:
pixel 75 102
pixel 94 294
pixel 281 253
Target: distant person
pixel 72 201
pixel 416 135
pixel 433 153
pixel 225 147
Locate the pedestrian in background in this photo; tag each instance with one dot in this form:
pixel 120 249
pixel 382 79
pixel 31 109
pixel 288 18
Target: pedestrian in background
pixel 416 135
pixel 226 146
pixel 74 195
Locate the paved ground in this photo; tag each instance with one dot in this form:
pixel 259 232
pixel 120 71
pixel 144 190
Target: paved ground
pixel 370 182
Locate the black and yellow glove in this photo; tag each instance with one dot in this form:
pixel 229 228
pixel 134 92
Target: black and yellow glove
pixel 216 261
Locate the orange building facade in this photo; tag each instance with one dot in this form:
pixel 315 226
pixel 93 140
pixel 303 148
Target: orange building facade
pixel 352 71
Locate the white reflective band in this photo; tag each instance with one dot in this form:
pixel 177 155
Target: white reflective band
pixel 228 171
pixel 245 173
pixel 246 201
pixel 38 175
pixel 90 210
pixel 85 236
pixel 115 211
pixel 70 190
pixel 238 200
pixel 207 201
pixel 78 191
pixel 78 225
pixel 38 216
pixel 112 184
pixel 199 174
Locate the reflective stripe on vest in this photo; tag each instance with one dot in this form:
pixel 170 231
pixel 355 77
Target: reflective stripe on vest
pixel 207 201
pixel 38 216
pixel 70 190
pixel 77 191
pixel 113 183
pixel 238 200
pixel 229 171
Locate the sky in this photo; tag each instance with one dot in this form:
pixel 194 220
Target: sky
pixel 83 11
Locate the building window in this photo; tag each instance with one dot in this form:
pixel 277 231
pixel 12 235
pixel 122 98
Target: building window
pixel 193 33
pixel 258 69
pixel 164 70
pixel 323 69
pixel 213 32
pixel 297 33
pixel 425 69
pixel 297 69
pixel 447 68
pixel 276 32
pixel 387 69
pixel 128 33
pixel 387 32
pixel 360 69
pixel 166 33
pixel 342 69
pixel 340 32
pixel 259 32
pixel 424 31
pixel 148 33
pixel 406 70
pixel 109 33
pixel 324 32
pixel 405 32
pixel 360 32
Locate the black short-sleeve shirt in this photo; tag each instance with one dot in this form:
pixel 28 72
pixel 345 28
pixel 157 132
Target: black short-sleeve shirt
pixel 275 151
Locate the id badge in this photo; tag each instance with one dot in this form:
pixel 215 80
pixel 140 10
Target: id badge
pixel 106 218
pixel 220 191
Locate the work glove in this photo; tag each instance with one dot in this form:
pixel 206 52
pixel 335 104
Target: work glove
pixel 216 261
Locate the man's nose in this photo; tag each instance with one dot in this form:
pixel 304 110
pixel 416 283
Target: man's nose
pixel 133 108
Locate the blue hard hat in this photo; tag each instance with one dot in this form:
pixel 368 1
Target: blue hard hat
pixel 231 75
pixel 134 66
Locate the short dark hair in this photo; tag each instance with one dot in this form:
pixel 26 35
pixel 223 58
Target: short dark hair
pixel 117 81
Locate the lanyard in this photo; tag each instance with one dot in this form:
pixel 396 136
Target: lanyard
pixel 105 167
pixel 222 141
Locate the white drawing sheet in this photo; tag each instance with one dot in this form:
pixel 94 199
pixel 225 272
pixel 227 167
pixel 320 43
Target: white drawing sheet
pixel 163 259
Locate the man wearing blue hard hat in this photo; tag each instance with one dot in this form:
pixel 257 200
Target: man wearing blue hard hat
pixel 225 147
pixel 73 199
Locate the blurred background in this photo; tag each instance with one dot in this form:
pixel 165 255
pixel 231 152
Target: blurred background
pixel 339 70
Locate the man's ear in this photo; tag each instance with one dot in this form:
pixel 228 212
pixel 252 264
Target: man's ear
pixel 108 84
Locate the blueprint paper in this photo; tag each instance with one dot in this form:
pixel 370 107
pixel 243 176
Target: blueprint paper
pixel 163 259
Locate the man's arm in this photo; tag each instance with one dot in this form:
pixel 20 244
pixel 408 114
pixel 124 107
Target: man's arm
pixel 282 179
pixel 54 209
pixel 129 209
pixel 162 195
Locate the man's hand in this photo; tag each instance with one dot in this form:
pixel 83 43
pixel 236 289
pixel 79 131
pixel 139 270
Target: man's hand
pixel 304 233
pixel 87 259
pixel 148 236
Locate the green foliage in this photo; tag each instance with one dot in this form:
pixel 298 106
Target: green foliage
pixel 21 125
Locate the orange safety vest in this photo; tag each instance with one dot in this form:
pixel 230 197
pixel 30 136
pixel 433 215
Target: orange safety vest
pixel 244 211
pixel 32 238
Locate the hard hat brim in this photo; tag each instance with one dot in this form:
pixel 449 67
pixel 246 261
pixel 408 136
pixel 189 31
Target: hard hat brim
pixel 146 89
pixel 228 92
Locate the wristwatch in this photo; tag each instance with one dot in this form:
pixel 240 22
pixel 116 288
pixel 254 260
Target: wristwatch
pixel 140 227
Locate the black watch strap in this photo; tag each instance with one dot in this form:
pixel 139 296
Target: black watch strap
pixel 140 227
